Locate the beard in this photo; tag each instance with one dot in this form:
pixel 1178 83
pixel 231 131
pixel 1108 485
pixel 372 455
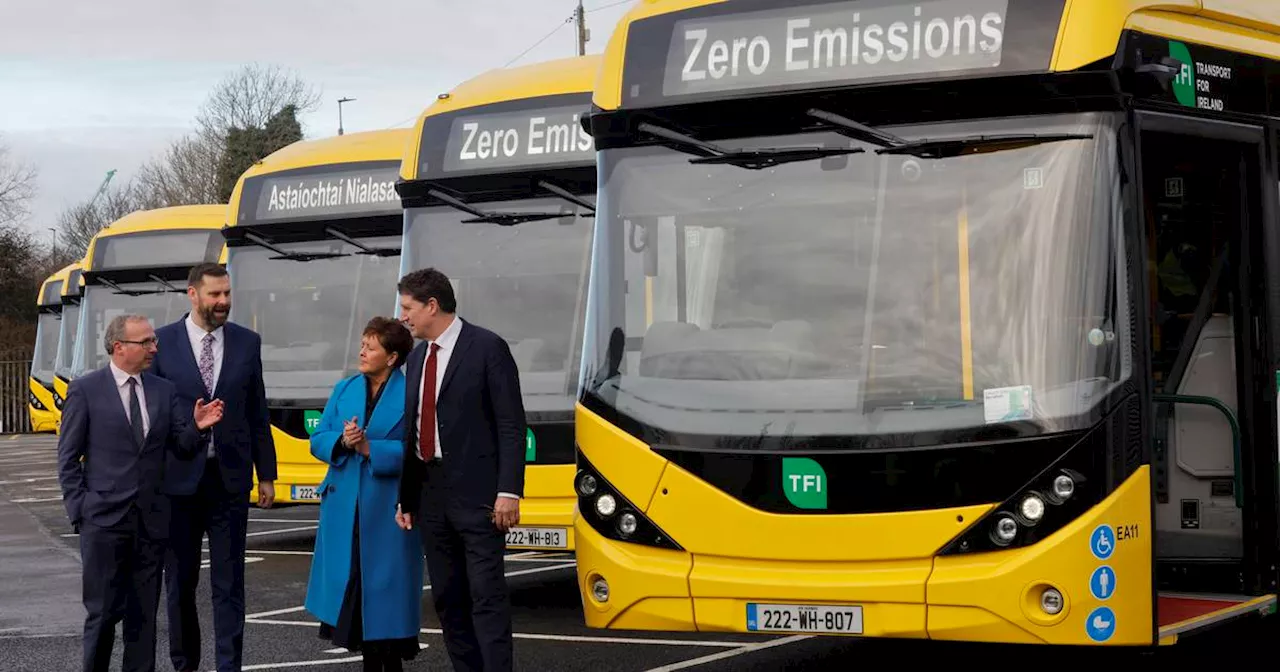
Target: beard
pixel 215 316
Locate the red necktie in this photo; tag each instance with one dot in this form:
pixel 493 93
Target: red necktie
pixel 427 423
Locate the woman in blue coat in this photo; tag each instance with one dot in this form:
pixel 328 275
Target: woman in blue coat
pixel 366 575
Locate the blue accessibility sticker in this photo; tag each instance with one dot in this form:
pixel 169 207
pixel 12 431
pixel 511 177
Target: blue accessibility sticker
pixel 1101 624
pixel 1103 542
pixel 1103 583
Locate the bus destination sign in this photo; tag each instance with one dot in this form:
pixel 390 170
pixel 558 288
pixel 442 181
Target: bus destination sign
pixel 512 140
pixel 358 190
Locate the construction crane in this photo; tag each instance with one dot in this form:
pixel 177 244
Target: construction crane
pixel 103 189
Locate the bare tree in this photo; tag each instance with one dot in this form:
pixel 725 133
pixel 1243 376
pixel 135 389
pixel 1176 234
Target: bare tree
pixel 187 173
pixel 17 188
pixel 79 223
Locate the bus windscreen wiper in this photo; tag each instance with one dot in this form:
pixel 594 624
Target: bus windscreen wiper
pixel 495 217
pixel 940 148
pixel 566 195
pixel 291 256
pixel 364 249
pixel 751 159
pixel 169 289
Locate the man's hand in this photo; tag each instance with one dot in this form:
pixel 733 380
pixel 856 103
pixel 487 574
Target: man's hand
pixel 266 494
pixel 506 513
pixel 404 520
pixel 208 415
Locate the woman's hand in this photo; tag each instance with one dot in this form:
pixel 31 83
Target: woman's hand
pixel 354 438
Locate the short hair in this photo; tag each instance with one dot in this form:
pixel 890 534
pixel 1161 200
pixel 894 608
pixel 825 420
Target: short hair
pixel 199 272
pixel 393 336
pixel 115 330
pixel 426 284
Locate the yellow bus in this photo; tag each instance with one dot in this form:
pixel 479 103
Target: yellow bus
pixel 139 264
pixel 313 249
pixel 954 320
pixel 499 190
pixel 68 329
pixel 43 410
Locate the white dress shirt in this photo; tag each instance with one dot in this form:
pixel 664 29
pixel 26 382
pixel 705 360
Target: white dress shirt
pixel 447 342
pixel 122 386
pixel 196 334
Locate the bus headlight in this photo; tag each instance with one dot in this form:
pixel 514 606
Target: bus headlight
pixel 1031 508
pixel 600 589
pixel 611 515
pixel 1006 528
pixel 1051 601
pixel 1063 487
pixel 34 402
pixel 606 505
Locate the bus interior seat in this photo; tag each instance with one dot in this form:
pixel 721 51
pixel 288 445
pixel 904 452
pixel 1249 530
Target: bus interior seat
pixel 1200 518
pixel 683 350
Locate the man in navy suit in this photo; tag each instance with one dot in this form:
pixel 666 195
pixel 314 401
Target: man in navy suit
pixel 207 357
pixel 119 425
pixel 463 473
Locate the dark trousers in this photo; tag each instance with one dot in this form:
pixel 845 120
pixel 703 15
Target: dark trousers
pixel 224 516
pixel 121 583
pixel 464 552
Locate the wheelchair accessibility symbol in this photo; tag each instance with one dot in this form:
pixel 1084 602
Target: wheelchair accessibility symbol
pixel 1103 542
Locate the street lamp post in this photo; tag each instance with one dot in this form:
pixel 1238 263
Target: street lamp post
pixel 340 102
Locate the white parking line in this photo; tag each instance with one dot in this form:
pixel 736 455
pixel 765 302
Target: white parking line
pixel 36 500
pixel 733 653
pixel 302 663
pixel 425 588
pixel 581 639
pixel 282 520
pixel 20 481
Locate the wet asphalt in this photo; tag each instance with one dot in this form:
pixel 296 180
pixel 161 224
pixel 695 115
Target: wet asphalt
pixel 41 616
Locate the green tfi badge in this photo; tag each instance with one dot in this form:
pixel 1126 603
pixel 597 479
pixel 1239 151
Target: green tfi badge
pixel 311 420
pixel 530 446
pixel 805 483
pixel 1184 85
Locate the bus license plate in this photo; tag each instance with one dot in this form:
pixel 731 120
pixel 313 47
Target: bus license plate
pixel 537 537
pixel 804 618
pixel 304 493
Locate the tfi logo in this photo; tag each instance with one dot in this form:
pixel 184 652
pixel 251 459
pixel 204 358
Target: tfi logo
pixel 1184 85
pixel 311 420
pixel 804 482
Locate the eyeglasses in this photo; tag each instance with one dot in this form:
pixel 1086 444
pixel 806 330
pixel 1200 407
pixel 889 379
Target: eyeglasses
pixel 146 342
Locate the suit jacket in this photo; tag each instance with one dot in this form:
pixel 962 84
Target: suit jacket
pixel 481 418
pixel 116 472
pixel 242 440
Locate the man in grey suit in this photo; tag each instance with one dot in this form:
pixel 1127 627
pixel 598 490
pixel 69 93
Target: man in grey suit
pixel 118 423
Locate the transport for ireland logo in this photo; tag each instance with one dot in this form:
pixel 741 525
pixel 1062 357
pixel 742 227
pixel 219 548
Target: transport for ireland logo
pixel 804 482
pixel 1184 85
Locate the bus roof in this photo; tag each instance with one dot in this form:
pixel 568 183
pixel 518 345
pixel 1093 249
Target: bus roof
pixel 159 220
pixel 57 281
pixel 576 74
pixel 1081 32
pixel 372 155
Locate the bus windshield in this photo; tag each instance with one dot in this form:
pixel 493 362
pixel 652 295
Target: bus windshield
pixel 828 302
pixel 101 304
pixel 311 314
pixel 68 329
pixel 43 358
pixel 526 283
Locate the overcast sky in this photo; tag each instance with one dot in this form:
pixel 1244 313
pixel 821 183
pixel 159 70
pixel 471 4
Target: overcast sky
pixel 87 86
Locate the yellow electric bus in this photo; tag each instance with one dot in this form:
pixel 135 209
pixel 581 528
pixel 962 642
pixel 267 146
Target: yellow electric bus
pixel 41 407
pixel 68 329
pixel 313 249
pixel 139 264
pixel 955 320
pixel 499 190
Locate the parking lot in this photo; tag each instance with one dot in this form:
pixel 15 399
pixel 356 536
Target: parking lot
pixel 41 615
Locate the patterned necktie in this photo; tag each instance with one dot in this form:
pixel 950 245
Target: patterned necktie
pixel 427 423
pixel 135 412
pixel 206 365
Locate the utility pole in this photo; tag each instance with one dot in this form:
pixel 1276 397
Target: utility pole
pixel 340 102
pixel 580 17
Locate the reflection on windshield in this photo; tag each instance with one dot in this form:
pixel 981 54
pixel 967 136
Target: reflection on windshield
pixel 102 304
pixel 867 295
pixel 524 282
pixel 48 327
pixel 68 329
pixel 311 314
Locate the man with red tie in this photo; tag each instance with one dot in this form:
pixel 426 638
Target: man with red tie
pixel 463 473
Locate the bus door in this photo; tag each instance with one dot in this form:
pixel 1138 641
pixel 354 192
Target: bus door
pixel 1211 369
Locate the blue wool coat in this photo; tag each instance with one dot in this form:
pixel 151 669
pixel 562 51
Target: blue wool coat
pixel 390 558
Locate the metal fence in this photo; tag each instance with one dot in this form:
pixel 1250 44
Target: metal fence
pixel 15 369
